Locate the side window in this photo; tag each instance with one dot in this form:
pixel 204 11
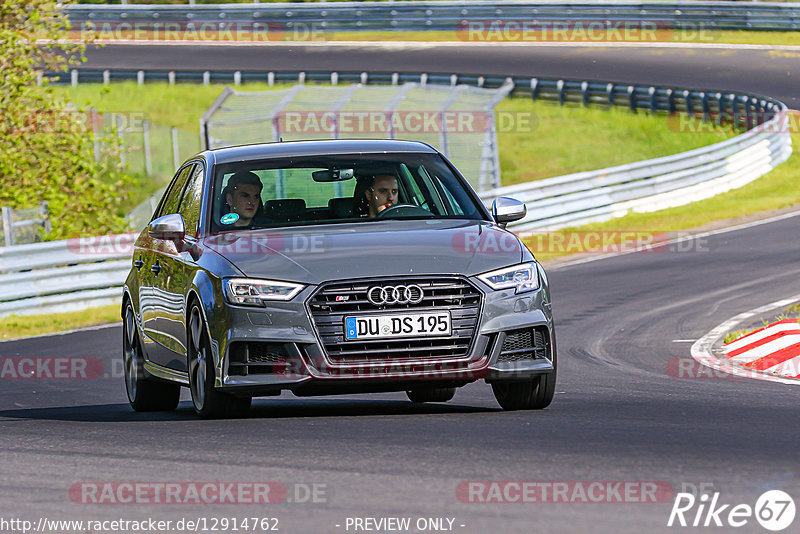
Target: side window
pixel 173 195
pixel 191 201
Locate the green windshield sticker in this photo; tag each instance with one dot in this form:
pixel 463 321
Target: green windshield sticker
pixel 229 218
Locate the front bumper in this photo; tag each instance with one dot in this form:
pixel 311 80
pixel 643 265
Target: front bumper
pixel 308 370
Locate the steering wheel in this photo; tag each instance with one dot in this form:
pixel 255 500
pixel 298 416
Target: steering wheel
pixel 404 210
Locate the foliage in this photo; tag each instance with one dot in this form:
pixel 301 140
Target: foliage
pixel 47 148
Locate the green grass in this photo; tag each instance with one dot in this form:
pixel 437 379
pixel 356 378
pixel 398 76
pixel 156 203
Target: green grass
pixel 33 325
pixel 571 139
pixel 552 141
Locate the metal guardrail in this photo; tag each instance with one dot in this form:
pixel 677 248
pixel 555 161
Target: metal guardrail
pixel 14 219
pixel 650 185
pixel 59 276
pixel 449 15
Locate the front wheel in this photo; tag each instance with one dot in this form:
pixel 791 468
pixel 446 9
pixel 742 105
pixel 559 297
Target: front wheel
pixel 532 394
pixel 208 402
pixel 144 393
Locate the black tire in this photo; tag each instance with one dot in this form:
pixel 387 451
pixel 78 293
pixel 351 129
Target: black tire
pixel 145 394
pixel 431 394
pixel 526 395
pixel 209 403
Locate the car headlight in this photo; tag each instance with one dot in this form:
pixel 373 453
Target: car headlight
pixel 524 277
pixel 254 292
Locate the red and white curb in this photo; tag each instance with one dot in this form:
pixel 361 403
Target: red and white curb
pixel 771 353
pixel 774 349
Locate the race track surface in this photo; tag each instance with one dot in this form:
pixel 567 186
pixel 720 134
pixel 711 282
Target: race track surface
pixel 620 412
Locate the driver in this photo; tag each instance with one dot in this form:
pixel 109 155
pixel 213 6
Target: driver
pixel 243 197
pixel 382 194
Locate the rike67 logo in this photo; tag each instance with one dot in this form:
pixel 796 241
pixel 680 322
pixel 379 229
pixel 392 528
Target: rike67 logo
pixel 774 510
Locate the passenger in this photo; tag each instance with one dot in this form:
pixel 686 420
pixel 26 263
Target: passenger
pixel 380 192
pixel 243 197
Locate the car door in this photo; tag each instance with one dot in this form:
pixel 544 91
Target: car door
pixel 175 277
pixel 164 307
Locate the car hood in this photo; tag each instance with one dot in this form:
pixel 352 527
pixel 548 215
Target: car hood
pixel 315 254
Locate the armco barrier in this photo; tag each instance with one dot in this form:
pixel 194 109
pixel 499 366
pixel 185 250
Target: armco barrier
pixel 59 276
pixel 650 185
pixel 448 15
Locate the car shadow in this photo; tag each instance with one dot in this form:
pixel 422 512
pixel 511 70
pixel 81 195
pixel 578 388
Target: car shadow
pixel 261 409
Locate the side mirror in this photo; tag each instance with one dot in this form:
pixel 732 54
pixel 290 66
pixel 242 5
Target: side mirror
pixel 169 228
pixel 506 210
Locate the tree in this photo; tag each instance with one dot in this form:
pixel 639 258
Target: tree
pixel 47 147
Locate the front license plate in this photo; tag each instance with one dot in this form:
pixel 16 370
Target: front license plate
pixel 399 325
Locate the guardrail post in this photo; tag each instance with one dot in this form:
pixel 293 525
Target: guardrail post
pixel 44 213
pixel 734 110
pixel 423 79
pixel 534 88
pixel 73 77
pixel 610 95
pixel 364 77
pixel 176 157
pixel 237 78
pixel 8 226
pixel 454 79
pixel 704 104
pixel 670 101
pixel 270 79
pixel 653 99
pixel 171 77
pixel 562 93
pixel 721 113
pixel 334 78
pixel 148 162
pixel 301 78
pixel 585 93
pixel 206 78
pixel 632 98
pixel 481 81
pixel 395 78
pixel 140 77
pixel 748 115
pixel 687 100
pixel 121 135
pixel 106 77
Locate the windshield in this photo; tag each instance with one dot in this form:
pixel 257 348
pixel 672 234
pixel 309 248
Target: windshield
pixel 337 189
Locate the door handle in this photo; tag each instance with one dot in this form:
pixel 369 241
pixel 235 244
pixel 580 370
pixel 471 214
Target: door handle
pixel 155 268
pixel 138 264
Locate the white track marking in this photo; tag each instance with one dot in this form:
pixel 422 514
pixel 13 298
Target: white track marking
pixel 701 350
pixel 84 329
pixel 442 44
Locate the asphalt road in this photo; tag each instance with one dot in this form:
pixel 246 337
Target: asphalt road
pixel 768 72
pixel 620 414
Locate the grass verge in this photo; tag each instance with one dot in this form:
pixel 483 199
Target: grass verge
pixel 18 326
pixel 536 139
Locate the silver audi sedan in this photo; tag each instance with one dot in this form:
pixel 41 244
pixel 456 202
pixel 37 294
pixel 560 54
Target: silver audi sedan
pixel 332 267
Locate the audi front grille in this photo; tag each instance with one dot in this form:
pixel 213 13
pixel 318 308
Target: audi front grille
pixel 333 301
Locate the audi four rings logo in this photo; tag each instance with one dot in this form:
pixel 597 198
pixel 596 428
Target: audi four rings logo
pixel 395 295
